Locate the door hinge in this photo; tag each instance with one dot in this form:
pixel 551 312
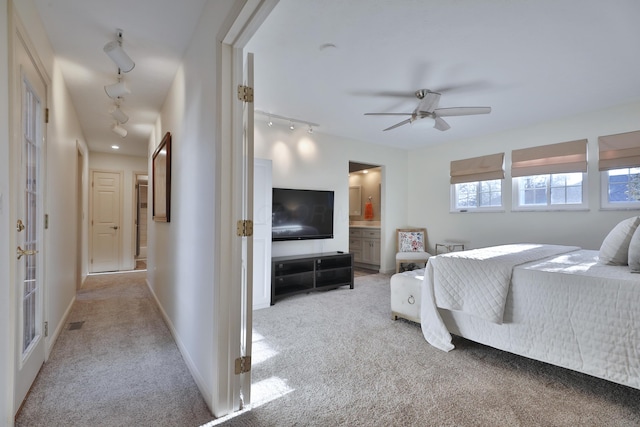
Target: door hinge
pixel 46 329
pixel 91 260
pixel 245 228
pixel 46 115
pixel 243 365
pixel 245 93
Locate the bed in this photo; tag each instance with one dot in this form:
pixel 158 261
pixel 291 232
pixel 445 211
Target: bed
pixel 556 304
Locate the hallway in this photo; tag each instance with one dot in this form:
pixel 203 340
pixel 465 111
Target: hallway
pixel 114 364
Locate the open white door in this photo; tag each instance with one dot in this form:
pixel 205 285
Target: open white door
pixel 247 240
pixel 28 190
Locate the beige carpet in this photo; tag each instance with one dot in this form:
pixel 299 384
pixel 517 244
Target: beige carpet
pixel 115 364
pixel 337 359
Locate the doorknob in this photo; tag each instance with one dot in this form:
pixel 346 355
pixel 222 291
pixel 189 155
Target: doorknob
pixel 21 252
pixel 19 226
pixel 115 227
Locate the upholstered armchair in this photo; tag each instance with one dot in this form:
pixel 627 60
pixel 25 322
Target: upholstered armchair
pixel 411 246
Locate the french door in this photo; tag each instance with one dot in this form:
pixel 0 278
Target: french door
pixel 28 152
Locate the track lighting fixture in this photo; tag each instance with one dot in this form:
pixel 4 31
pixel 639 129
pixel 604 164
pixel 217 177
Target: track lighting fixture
pixel 291 121
pixel 118 55
pixel 116 90
pixel 116 128
pixel 119 115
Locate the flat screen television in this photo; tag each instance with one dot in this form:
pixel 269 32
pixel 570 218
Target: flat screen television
pixel 301 214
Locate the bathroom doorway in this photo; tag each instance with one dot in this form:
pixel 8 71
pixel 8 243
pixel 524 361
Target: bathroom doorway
pixel 365 215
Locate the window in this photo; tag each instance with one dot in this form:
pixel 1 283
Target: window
pixel 558 191
pixel 476 183
pixel 479 195
pixel 619 166
pixel 621 188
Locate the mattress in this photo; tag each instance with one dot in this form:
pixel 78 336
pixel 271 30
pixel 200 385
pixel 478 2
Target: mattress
pixel 567 310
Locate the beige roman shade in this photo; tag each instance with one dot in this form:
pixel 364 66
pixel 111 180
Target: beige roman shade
pixel 564 157
pixel 481 168
pixel 619 151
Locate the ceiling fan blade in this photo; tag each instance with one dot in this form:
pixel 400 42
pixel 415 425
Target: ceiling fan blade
pixel 385 93
pixel 461 111
pixel 404 122
pixel 441 124
pixel 387 114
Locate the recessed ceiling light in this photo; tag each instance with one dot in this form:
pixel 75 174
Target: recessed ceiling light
pixel 115 147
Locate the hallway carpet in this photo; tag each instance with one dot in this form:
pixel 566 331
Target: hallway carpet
pixel 114 364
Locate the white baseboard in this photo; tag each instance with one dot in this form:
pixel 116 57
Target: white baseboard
pixel 51 340
pixel 206 393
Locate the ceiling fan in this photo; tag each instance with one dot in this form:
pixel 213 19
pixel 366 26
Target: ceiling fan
pixel 428 108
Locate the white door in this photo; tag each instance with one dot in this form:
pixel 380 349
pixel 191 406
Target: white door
pixel 105 221
pixel 246 322
pixel 262 233
pixel 29 221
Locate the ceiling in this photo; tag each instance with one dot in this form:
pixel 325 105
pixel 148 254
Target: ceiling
pixel 329 62
pixel 155 35
pixel 530 60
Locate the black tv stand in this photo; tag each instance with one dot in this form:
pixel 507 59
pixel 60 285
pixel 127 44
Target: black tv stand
pixel 297 274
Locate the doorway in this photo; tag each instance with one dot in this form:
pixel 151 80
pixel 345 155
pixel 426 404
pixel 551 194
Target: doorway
pixel 365 215
pixel 140 221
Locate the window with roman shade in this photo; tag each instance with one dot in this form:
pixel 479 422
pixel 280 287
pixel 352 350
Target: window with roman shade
pixel 477 183
pixel 619 165
pixel 619 151
pixel 550 177
pixel 481 168
pixel 564 157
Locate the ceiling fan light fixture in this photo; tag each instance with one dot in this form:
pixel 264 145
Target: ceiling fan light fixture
pixel 116 90
pixel 114 50
pixel 119 130
pixel 119 115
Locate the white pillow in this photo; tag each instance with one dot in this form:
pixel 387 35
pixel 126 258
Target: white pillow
pixel 615 247
pixel 634 252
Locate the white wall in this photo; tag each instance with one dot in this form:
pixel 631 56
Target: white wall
pixel 129 165
pixel 319 161
pixel 181 252
pixel 6 296
pixel 429 186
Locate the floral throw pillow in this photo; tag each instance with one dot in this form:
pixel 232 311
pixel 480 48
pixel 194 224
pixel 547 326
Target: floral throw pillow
pixel 411 241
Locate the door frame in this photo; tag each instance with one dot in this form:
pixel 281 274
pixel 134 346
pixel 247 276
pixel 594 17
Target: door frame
pixel 228 304
pixel 137 177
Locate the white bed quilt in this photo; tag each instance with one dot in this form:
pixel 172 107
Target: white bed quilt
pixel 477 281
pixel 567 310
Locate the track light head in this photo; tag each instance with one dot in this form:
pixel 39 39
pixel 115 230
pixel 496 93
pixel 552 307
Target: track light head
pixel 117 90
pixel 118 55
pixel 310 130
pixel 116 128
pixel 119 115
pixel 291 126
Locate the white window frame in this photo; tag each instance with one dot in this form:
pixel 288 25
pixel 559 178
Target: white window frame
pixel 605 204
pixel 517 207
pixel 454 197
